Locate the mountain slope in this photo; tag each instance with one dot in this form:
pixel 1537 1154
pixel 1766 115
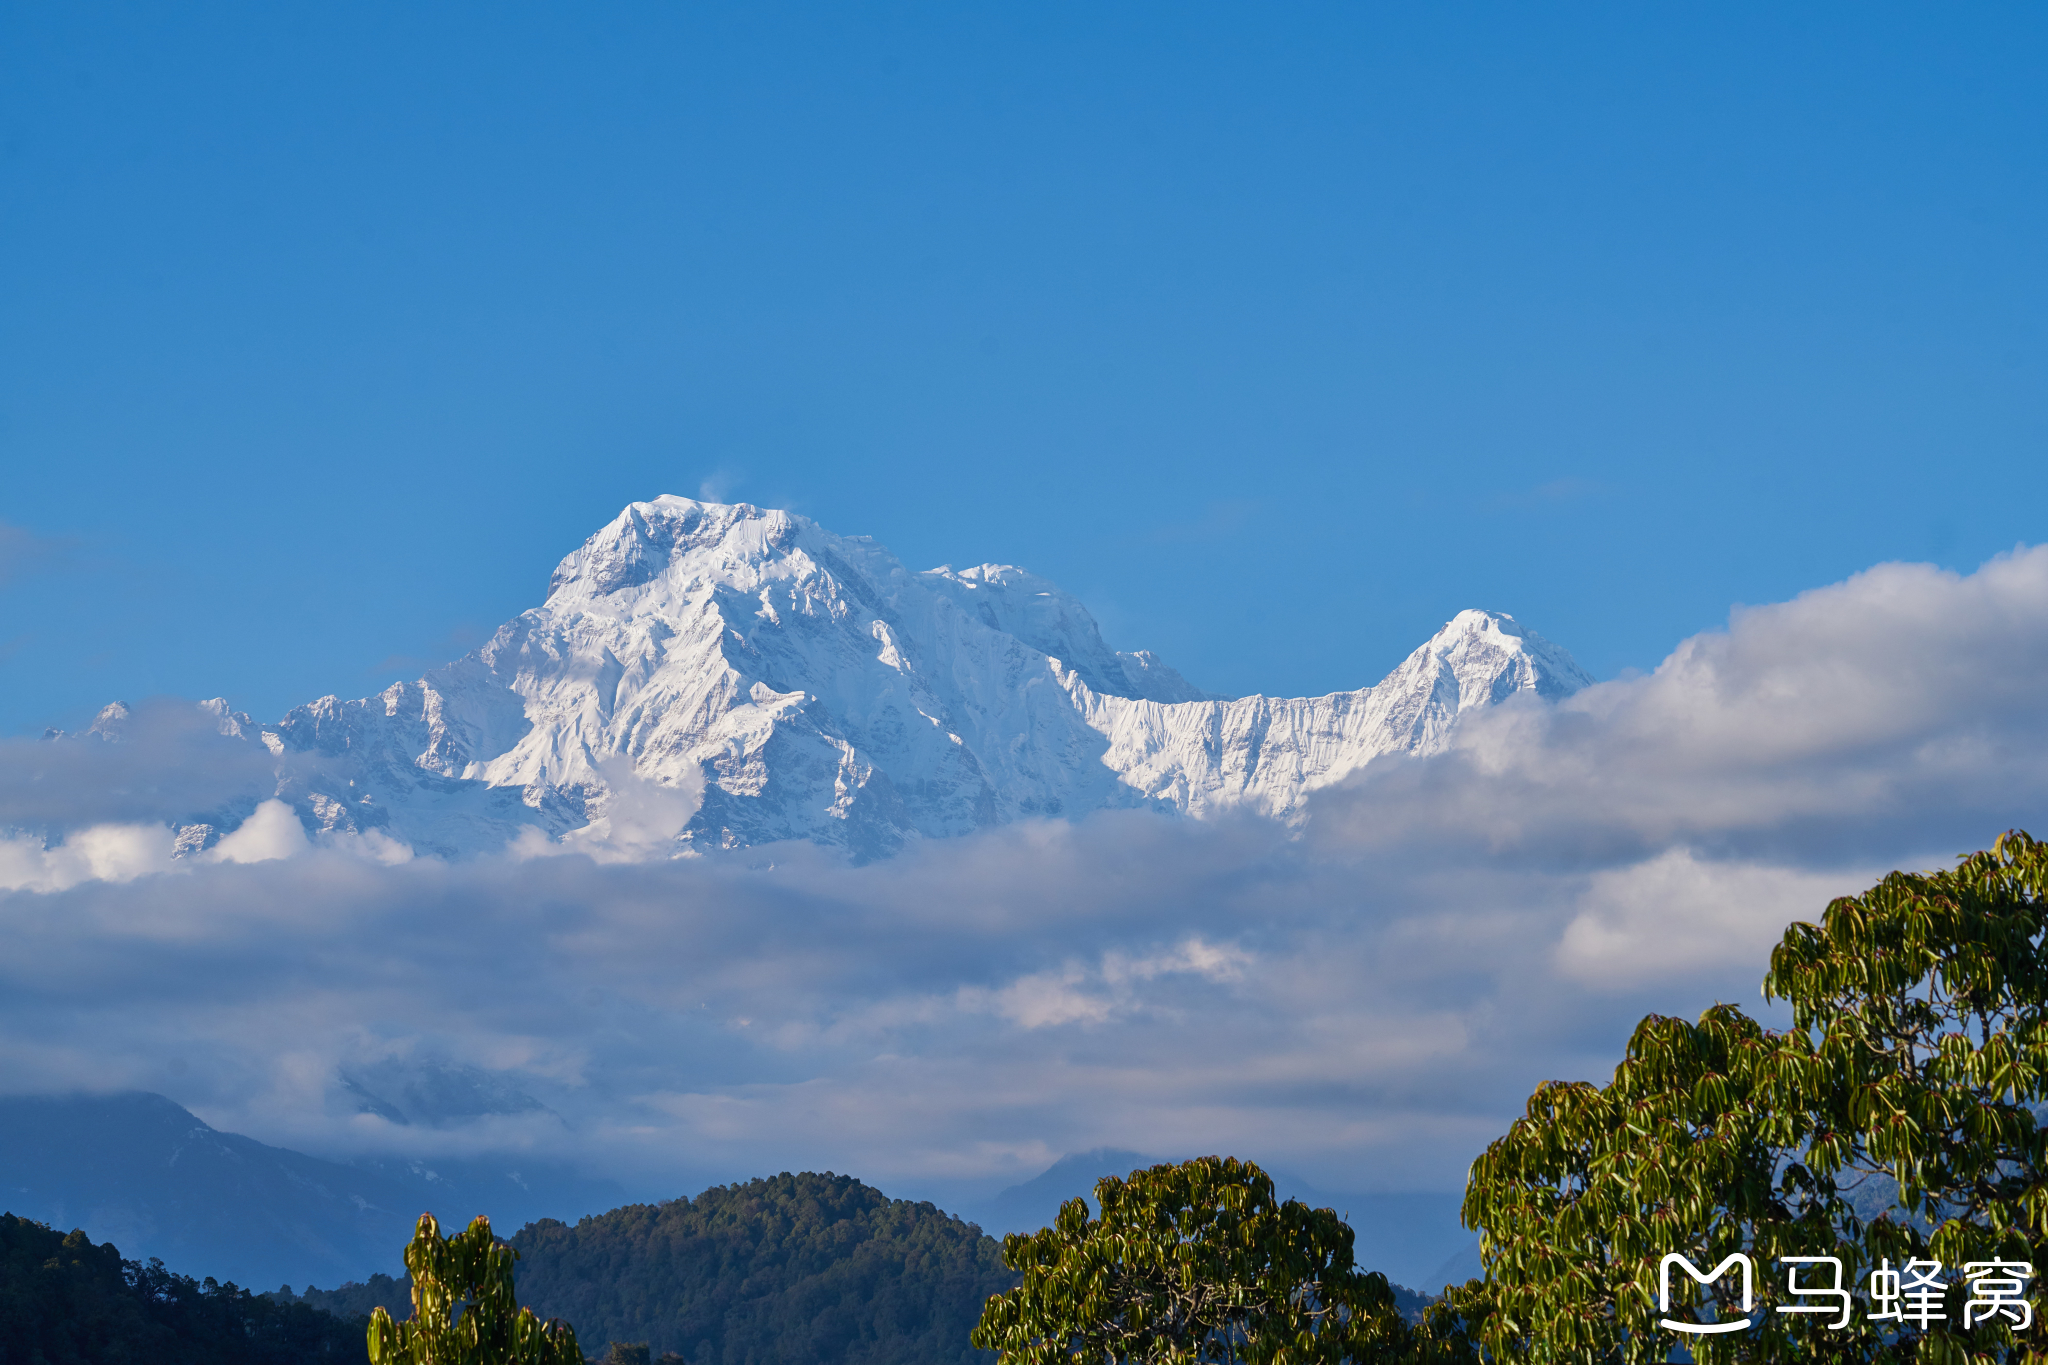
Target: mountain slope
pixel 704 675
pixel 146 1173
pixel 139 1170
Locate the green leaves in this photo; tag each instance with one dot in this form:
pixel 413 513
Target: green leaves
pixel 470 1274
pixel 1189 1263
pixel 1896 1120
pixel 1687 1150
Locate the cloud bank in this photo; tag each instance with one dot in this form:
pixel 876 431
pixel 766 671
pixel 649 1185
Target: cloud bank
pixel 1365 1001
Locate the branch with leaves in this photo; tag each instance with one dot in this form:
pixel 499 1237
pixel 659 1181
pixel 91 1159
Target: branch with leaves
pixel 464 1311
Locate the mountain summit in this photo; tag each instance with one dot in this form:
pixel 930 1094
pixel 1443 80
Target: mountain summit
pixel 708 675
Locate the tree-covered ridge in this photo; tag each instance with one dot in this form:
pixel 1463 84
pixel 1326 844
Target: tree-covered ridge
pixel 818 1268
pixel 357 1299
pixel 66 1301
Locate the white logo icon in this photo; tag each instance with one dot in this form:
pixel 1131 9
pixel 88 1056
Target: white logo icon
pixel 1705 1328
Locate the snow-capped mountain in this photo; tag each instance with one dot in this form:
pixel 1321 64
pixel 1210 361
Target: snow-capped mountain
pixel 705 675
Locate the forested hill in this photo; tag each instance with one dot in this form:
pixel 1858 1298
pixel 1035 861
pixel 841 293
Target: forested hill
pixel 66 1301
pixel 816 1268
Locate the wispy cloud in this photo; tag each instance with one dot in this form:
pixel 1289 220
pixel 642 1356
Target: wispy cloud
pixel 456 641
pixel 169 762
pixel 1220 520
pixel 1563 492
pixel 719 485
pixel 23 552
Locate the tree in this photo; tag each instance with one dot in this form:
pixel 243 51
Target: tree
pixel 66 1301
pixel 1189 1263
pixel 1895 1121
pixel 463 1308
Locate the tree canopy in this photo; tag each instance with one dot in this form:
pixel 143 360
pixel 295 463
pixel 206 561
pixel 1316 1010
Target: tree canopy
pixel 1187 1263
pixel 464 1308
pixel 1894 1123
pixel 65 1300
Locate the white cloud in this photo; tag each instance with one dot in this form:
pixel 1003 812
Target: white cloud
pixel 1366 1004
pixel 638 819
pixel 272 831
pixel 372 844
pixel 1212 961
pixel 112 852
pixel 1074 994
pixel 1672 915
pixel 1891 712
pixel 1041 1000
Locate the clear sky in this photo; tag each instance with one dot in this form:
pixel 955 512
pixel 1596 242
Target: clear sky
pixel 1279 334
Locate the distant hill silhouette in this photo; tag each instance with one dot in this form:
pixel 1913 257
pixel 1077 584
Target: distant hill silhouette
pixel 144 1172
pixel 1405 1236
pixel 1033 1204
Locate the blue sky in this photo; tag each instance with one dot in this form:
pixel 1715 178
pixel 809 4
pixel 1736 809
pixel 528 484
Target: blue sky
pixel 1278 336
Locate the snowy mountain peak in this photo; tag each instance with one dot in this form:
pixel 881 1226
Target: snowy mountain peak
pixel 715 675
pixel 647 542
pixel 1493 656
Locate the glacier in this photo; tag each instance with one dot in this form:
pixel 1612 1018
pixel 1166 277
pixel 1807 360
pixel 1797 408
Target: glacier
pixel 748 676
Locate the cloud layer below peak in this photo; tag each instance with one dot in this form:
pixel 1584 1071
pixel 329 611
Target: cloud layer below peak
pixel 1366 1001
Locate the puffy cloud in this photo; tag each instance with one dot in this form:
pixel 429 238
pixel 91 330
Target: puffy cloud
pixel 113 853
pixel 1900 710
pixel 272 831
pixel 639 819
pixel 1671 915
pixel 1365 1002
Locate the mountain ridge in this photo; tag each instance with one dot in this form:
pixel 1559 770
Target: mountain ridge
pixel 140 1169
pixel 705 675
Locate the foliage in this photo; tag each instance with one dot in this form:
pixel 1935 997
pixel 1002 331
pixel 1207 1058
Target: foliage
pixel 66 1301
pixel 1895 1120
pixel 816 1268
pixel 464 1311
pixel 1187 1263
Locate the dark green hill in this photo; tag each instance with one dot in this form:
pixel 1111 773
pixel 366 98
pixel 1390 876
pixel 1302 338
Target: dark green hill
pixel 795 1270
pixel 65 1301
pixel 814 1268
